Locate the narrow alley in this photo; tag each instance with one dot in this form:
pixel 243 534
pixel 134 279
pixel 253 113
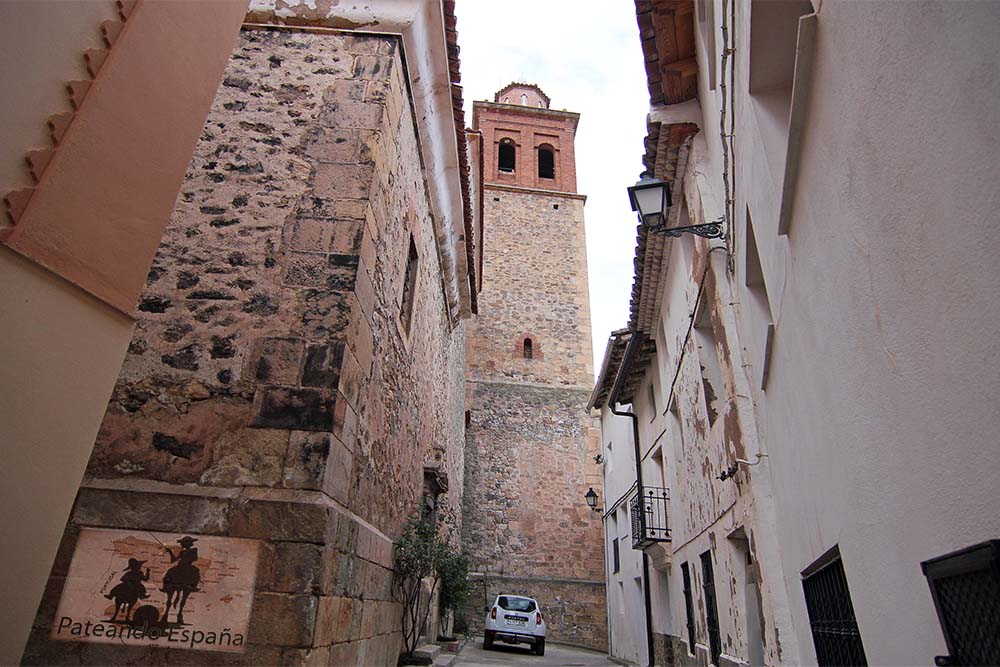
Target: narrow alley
pixel 656 333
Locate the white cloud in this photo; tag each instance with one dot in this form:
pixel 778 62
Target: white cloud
pixel 587 58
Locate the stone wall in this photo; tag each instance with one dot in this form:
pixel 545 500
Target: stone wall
pixel 272 389
pixel 668 650
pixel 574 610
pixel 534 285
pixel 527 463
pixel 527 468
pixel 530 439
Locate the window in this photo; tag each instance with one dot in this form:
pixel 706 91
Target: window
pixel 762 335
pixel 512 603
pixel 546 161
pixel 676 430
pixel 774 33
pixel 409 287
pixel 506 156
pixel 708 358
pixel 688 606
pixel 965 586
pixel 831 614
pixel 528 349
pixel 651 397
pixel 660 466
pixel 524 100
pixel 615 555
pixel 711 609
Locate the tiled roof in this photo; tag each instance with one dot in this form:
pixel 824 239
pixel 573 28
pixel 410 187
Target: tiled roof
pixel 666 31
pixel 515 84
pixel 458 108
pixel 667 147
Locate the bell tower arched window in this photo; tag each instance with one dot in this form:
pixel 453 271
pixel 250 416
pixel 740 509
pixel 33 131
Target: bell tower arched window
pixel 506 155
pixel 546 162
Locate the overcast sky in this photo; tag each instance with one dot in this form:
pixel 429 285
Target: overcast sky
pixel 586 56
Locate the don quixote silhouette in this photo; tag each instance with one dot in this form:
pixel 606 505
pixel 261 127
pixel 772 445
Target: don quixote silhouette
pixel 179 582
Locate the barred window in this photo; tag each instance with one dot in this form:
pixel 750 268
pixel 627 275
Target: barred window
pixel 831 614
pixel 688 606
pixel 965 586
pixel 711 608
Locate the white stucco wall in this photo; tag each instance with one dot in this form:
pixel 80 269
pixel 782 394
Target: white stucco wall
pixel 61 352
pixel 879 417
pixel 626 607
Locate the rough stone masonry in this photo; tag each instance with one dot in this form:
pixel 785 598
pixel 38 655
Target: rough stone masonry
pixel 274 388
pixel 530 441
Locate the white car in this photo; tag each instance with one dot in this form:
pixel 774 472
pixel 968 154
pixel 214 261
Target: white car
pixel 515 619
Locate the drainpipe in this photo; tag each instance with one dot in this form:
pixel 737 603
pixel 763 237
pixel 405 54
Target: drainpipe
pixel 630 352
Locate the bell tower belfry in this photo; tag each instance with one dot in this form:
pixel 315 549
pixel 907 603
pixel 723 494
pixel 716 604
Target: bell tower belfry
pixel 530 440
pixel 525 143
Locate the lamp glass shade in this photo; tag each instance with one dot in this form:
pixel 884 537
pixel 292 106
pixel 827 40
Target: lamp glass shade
pixel 591 497
pixel 650 197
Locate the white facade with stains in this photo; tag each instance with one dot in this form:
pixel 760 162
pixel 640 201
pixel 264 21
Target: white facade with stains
pixel 853 324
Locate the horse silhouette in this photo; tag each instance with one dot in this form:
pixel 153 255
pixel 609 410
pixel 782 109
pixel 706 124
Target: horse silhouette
pixel 130 590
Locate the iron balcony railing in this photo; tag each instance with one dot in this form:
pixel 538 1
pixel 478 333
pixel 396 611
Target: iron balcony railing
pixel 648 510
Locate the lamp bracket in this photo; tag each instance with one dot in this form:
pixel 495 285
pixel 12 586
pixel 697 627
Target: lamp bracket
pixel 709 230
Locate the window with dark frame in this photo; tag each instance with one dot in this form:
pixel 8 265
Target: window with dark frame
pixel 965 586
pixel 409 287
pixel 506 156
pixel 614 551
pixel 831 614
pixel 711 608
pixel 546 162
pixel 688 606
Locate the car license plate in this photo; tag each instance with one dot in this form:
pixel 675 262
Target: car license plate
pixel 516 620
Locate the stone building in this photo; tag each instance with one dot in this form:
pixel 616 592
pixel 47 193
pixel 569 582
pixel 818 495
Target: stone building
pixel 287 281
pixel 814 391
pixel 530 439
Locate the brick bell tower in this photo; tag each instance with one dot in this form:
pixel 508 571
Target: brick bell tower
pixel 530 441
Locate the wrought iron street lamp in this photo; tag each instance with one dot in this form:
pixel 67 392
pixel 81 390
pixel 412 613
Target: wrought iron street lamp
pixel 591 498
pixel 651 198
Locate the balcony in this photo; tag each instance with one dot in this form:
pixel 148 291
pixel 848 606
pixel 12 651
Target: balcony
pixel 649 517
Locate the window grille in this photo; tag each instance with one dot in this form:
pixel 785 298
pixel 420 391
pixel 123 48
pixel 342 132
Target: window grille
pixel 831 617
pixel 711 609
pixel 965 586
pixel 688 606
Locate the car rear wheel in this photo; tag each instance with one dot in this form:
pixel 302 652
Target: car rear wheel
pixel 540 646
pixel 488 639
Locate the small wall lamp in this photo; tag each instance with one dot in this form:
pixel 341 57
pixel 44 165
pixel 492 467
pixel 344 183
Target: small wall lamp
pixel 651 198
pixel 591 498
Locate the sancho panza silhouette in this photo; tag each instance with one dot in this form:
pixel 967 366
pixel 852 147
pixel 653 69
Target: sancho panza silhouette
pixel 130 590
pixel 182 579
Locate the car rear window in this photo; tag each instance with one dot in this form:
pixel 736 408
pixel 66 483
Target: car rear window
pixel 511 603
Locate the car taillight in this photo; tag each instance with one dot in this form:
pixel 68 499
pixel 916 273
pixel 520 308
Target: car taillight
pixel 493 613
pixel 538 618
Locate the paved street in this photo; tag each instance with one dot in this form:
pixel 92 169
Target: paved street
pixel 502 654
